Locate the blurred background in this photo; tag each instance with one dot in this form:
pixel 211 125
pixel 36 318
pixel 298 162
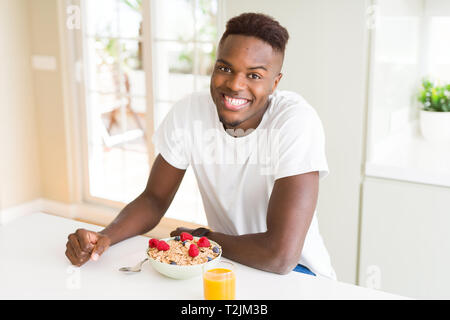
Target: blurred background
pixel 84 84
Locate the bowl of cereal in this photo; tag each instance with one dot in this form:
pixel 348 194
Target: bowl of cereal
pixel 182 257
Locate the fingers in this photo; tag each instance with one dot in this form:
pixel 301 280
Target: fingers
pixel 72 256
pixel 100 247
pixel 78 247
pixel 75 245
pixel 201 232
pixel 86 239
pixel 179 230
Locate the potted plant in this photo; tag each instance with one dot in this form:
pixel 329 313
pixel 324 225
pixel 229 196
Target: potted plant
pixel 435 111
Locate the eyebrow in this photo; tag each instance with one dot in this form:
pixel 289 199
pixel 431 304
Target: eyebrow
pixel 251 68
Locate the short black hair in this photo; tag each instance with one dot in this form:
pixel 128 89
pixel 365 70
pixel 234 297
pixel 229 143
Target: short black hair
pixel 260 26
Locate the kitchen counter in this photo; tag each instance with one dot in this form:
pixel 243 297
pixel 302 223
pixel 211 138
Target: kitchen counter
pixel 33 265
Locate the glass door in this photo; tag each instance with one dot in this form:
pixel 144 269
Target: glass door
pixel 184 43
pixel 116 99
pixel 138 58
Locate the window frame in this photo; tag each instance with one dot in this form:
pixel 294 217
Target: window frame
pixel 73 51
pixel 378 154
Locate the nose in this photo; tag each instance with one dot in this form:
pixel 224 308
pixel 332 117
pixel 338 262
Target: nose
pixel 237 83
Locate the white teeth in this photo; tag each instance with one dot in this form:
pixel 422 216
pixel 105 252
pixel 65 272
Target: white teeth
pixel 235 102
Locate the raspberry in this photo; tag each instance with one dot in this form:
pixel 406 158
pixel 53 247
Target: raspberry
pixel 193 250
pixel 162 246
pixel 186 236
pixel 203 242
pixel 153 243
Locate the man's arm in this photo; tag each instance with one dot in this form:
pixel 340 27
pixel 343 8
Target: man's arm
pixel 138 217
pixel 144 213
pixel 290 211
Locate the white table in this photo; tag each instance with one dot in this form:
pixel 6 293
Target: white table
pixel 33 266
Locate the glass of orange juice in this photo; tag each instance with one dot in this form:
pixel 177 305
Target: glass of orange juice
pixel 219 281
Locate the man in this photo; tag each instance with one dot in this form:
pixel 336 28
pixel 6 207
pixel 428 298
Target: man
pixel 257 154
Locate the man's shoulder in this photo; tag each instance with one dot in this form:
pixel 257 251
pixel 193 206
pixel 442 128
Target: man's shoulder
pixel 196 99
pixel 193 105
pixel 198 95
pixel 288 96
pixel 287 105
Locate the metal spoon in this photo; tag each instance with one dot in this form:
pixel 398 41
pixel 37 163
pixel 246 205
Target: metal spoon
pixel 136 268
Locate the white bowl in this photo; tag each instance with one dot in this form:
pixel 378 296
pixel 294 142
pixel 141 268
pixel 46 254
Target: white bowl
pixel 183 272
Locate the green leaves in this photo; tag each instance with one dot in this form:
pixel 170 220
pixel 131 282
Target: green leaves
pixel 434 97
pixel 135 5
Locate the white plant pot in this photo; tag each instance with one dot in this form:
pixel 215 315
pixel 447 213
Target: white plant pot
pixel 435 126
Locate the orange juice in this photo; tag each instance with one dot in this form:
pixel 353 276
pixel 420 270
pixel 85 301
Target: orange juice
pixel 219 284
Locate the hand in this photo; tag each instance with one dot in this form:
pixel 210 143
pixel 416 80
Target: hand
pixel 199 232
pixel 84 245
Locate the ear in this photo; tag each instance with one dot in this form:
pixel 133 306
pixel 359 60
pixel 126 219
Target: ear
pixel 277 80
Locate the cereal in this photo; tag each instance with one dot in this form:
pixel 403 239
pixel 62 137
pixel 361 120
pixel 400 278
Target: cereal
pixel 178 253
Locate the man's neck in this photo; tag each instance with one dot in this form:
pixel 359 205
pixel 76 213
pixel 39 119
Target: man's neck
pixel 248 125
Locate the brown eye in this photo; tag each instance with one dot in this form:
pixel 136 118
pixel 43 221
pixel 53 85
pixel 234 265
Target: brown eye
pixel 254 76
pixel 224 69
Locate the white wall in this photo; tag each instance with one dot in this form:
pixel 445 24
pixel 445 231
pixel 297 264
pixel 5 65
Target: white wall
pixel 19 166
pixel 395 70
pixel 51 119
pixel 32 125
pixel 325 62
pixel 405 240
pixel 404 226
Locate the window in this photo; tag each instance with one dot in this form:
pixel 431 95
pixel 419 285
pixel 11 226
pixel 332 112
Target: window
pixel 116 99
pixel 184 48
pixel 139 58
pixel 439 50
pixel 409 43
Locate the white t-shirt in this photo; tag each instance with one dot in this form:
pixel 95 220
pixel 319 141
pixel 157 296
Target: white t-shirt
pixel 236 175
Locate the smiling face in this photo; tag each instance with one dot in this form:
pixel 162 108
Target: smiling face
pixel 246 72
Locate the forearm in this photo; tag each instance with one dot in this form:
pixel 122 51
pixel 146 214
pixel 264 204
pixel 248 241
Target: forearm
pixel 258 250
pixel 138 217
